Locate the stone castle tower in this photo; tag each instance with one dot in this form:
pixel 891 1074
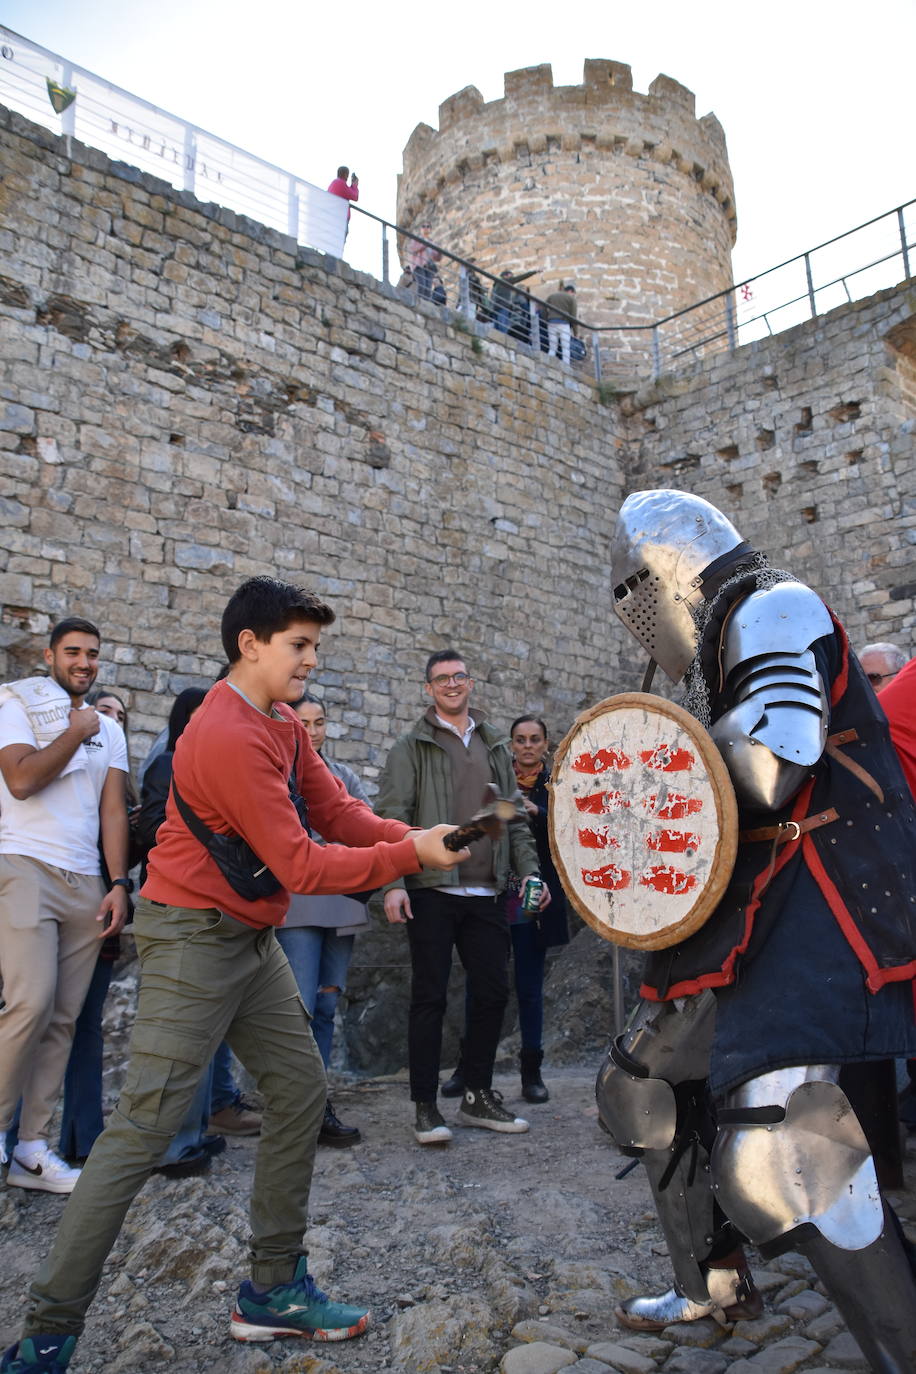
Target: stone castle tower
pixel 629 196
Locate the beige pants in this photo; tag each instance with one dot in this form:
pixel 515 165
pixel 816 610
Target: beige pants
pixel 49 943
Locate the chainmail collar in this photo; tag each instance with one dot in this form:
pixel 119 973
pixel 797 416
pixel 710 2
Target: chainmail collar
pixel 754 569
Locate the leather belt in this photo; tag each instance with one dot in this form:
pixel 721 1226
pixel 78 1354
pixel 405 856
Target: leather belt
pixel 789 830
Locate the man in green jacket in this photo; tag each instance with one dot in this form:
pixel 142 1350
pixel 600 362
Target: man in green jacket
pixel 439 769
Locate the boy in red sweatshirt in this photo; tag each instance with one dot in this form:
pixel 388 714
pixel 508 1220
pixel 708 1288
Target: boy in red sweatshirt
pixel 212 969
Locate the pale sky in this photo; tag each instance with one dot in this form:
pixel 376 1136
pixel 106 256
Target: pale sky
pixel 815 96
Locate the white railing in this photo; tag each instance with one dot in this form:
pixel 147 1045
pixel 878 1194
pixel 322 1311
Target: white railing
pixel 131 130
pixel 39 84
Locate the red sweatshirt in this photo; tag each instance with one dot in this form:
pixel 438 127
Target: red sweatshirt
pixel 232 766
pixel 339 187
pixel 898 702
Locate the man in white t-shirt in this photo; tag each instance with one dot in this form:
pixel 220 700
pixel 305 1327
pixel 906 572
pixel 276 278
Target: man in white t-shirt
pixel 62 774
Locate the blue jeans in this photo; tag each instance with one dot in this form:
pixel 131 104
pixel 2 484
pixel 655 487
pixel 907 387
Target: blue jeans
pixel 319 959
pixel 194 1126
pixel 529 958
pixel 82 1118
pixel 223 1088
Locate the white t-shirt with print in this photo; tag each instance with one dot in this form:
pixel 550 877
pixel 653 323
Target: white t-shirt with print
pixel 60 824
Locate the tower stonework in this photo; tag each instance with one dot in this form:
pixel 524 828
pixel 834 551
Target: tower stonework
pixel 629 196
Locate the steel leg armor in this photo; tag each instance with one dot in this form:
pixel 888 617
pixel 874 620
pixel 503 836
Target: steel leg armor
pixel 792 1169
pixel 651 1098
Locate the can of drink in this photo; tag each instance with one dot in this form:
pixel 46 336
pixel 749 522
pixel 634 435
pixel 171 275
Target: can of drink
pixel 531 896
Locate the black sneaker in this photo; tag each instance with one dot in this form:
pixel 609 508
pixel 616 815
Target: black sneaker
pixel 192 1161
pixel 454 1086
pixel 430 1128
pixel 334 1132
pixel 484 1107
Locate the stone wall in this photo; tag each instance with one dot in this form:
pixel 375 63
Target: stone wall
pixel 188 399
pixel 630 196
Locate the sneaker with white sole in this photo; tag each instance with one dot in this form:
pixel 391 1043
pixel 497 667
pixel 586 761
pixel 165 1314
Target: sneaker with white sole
pixel 4 1157
pixel 484 1107
pixel 430 1128
pixel 297 1308
pixel 42 1170
pixel 39 1355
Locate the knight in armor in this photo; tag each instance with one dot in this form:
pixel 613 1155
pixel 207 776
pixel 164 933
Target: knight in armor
pixel 726 1081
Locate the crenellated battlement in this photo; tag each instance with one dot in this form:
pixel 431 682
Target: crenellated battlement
pixel 629 194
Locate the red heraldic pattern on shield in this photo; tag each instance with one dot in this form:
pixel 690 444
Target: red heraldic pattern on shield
pixel 673 850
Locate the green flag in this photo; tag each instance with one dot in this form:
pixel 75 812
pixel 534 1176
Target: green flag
pixel 59 96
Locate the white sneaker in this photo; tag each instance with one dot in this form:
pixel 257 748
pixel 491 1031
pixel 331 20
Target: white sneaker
pixel 4 1157
pixel 43 1170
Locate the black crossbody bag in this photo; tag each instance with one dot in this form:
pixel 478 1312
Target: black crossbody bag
pixel 234 857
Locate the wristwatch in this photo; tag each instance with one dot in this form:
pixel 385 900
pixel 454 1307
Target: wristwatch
pixel 126 883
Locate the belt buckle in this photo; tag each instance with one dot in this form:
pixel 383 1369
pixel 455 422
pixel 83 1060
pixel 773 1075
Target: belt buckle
pixel 785 828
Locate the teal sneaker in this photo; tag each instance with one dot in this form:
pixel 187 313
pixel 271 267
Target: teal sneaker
pixel 297 1308
pixel 39 1355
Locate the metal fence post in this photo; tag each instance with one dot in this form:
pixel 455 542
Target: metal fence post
pixel 385 277
pixel 596 353
pixel 730 322
pixel 656 354
pixel 292 210
pixel 903 248
pixel 464 294
pixel 534 325
pixel 810 285
pixel 190 158
pixel 68 118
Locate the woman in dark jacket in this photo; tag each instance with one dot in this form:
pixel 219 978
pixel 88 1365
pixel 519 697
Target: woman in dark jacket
pixel 158 777
pixel 532 932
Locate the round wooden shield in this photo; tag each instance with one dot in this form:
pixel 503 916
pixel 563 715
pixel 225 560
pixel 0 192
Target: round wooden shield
pixel 643 821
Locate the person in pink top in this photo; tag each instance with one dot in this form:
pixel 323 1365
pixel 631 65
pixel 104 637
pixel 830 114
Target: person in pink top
pixel 347 190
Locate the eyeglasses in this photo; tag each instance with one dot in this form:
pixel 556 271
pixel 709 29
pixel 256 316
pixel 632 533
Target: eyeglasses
pixel 444 679
pixel 875 678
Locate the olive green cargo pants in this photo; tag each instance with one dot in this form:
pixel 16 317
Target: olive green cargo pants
pixel 205 977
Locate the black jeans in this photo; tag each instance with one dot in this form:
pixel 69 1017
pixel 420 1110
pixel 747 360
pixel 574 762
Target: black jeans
pixel 477 928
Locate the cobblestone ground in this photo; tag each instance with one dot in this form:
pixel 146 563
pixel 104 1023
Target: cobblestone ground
pixel 494 1253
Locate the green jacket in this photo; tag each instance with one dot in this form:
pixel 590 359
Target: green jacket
pixel 416 787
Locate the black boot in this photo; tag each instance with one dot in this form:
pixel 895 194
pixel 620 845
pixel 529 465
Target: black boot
pixel 533 1089
pixel 454 1086
pixel 334 1132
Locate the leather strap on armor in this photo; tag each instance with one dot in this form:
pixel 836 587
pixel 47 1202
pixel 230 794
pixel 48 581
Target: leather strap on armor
pixel 789 830
pixel 833 749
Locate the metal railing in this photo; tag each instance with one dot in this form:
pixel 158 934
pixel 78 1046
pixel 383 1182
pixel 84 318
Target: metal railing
pixel 874 255
pixel 71 101
pixel 74 102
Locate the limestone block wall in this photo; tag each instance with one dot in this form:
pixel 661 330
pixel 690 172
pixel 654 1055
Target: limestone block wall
pixel 806 441
pixel 628 195
pixel 187 399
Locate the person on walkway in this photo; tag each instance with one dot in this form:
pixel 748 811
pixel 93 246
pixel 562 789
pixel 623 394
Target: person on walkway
pixel 561 321
pixel 212 970
pixel 422 259
pixel 62 775
pixel 318 934
pixel 442 767
pixel 347 190
pixel 726 1082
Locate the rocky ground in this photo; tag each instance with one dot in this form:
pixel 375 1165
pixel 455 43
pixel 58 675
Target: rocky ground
pixel 493 1253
